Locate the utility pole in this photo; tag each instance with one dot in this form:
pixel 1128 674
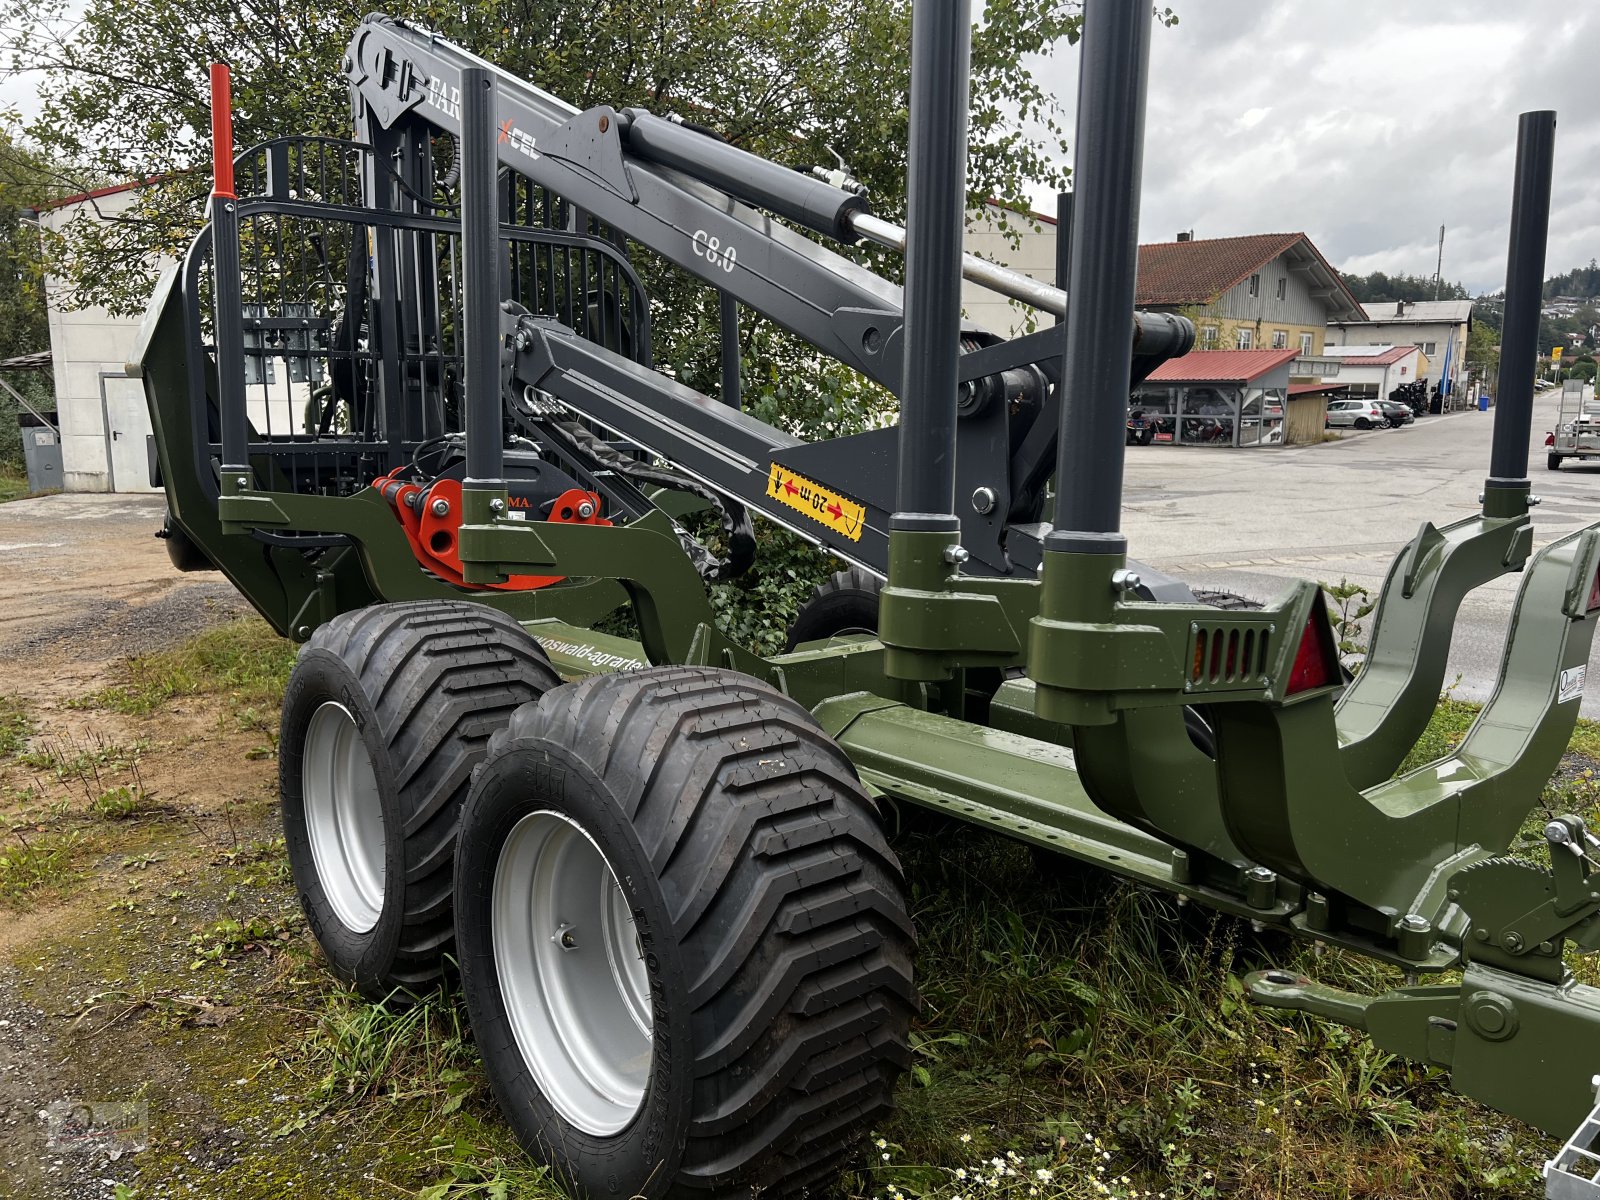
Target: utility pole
pixel 1438 270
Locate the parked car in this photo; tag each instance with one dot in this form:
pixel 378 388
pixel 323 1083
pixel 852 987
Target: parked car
pixel 1362 414
pixel 1399 414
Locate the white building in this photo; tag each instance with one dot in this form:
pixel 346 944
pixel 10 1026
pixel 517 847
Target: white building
pixel 1438 328
pixel 105 426
pixel 104 419
pixel 1375 371
pixel 989 235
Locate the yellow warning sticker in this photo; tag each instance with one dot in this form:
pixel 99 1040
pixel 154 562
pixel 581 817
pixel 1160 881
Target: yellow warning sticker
pixel 817 502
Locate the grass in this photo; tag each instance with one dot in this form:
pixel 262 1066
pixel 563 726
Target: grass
pixel 123 802
pixel 27 863
pixel 16 725
pixel 13 483
pixel 243 659
pixel 70 759
pixel 1078 1038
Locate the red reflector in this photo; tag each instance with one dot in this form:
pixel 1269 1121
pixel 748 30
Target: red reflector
pixel 1549 439
pixel 1594 594
pixel 1316 662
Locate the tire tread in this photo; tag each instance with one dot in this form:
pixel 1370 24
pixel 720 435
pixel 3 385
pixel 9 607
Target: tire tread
pixel 787 907
pixel 428 667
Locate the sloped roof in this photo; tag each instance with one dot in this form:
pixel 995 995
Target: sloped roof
pixel 110 190
pixel 1221 366
pixel 1423 312
pixel 1368 356
pixel 1198 271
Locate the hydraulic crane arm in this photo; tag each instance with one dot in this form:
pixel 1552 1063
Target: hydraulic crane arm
pixel 591 159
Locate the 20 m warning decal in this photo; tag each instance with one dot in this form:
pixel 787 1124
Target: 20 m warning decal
pixel 817 502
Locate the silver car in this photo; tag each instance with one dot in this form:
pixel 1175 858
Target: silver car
pixel 1361 414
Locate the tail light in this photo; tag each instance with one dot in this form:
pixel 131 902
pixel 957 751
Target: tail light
pixel 1549 439
pixel 1316 661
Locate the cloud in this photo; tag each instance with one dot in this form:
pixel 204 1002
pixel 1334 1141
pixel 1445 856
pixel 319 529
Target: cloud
pixel 1367 125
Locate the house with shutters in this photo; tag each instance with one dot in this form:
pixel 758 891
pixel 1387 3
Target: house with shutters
pixel 1262 291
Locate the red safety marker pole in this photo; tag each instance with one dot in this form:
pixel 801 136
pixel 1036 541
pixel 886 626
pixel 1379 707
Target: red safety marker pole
pixel 221 131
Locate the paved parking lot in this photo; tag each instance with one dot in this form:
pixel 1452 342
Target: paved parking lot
pixel 1244 520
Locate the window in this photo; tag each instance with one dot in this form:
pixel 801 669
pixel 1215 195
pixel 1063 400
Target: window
pixel 1246 340
pixel 1255 285
pixel 1283 289
pixel 1208 334
pixel 1280 339
pixel 1305 343
pixel 1429 347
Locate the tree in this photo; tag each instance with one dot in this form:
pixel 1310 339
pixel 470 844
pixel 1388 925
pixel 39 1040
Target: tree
pixel 1483 352
pixel 1380 288
pixel 124 90
pixel 25 180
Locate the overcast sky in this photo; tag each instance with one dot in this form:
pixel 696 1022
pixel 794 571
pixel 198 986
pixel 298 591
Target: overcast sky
pixel 1367 124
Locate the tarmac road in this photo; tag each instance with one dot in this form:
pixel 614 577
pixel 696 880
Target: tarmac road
pixel 1242 520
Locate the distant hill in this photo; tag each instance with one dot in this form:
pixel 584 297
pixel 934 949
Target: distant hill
pixel 1582 282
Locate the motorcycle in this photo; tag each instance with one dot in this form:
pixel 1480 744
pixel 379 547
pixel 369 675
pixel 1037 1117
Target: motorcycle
pixel 1141 427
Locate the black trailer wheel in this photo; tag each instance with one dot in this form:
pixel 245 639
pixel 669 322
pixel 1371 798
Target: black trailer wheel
pixel 683 939
pixel 185 555
pixel 1553 462
pixel 387 711
pixel 844 603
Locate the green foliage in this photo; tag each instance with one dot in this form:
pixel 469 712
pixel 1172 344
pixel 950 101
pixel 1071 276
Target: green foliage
pixel 1079 1039
pixel 1379 287
pixel 1583 282
pixel 1483 349
pixel 70 759
pixel 398 1050
pixel 25 180
pixel 122 802
pixel 243 658
pixel 28 864
pixel 124 90
pixel 1349 604
pixel 16 724
pixel 231 937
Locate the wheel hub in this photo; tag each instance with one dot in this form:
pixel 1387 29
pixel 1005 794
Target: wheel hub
pixel 572 973
pixel 344 816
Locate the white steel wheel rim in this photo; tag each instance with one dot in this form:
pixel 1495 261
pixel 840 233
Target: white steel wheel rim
pixel 344 816
pixel 572 973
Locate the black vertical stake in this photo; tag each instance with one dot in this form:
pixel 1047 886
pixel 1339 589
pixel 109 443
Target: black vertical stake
pixel 1063 242
pixel 1103 267
pixel 480 251
pixel 1519 337
pixel 229 318
pixel 729 305
pixel 941 52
